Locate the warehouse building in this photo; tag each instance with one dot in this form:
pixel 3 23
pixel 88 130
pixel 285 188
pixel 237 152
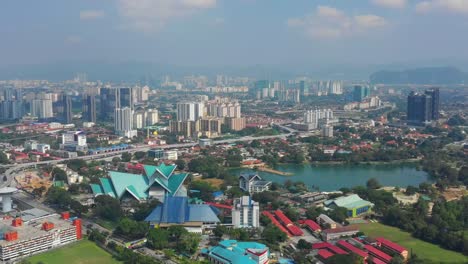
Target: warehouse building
pixel 353 203
pixel 36 231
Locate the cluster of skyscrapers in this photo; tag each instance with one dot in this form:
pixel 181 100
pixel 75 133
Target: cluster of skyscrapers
pixel 12 106
pixel 207 118
pixel 423 107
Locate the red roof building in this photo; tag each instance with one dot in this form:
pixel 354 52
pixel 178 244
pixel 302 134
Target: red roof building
pixel 392 247
pixel 350 248
pixel 275 222
pixel 324 254
pixel 378 254
pixel 311 225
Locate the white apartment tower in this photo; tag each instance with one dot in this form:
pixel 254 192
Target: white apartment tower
pixel 190 111
pixel 245 213
pixel 123 123
pixel 42 108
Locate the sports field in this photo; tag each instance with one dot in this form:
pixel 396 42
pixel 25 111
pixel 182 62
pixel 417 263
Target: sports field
pixel 429 252
pixel 82 252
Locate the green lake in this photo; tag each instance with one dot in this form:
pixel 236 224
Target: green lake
pixel 331 177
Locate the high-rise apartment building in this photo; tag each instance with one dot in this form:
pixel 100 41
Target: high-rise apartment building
pixel 67 114
pixel 109 101
pixel 304 87
pixel 152 117
pixel 139 119
pixel 12 106
pixel 360 93
pixel 126 97
pixel 123 122
pixel 335 87
pixel 89 108
pixel 312 117
pixel 42 108
pixel 235 123
pixel 434 93
pixel 245 213
pixel 419 108
pixel 190 111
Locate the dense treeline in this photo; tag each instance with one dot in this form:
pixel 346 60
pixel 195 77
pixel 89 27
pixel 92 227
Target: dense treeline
pixel 445 225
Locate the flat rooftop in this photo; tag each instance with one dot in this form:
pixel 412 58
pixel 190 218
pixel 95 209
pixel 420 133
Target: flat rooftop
pixel 32 225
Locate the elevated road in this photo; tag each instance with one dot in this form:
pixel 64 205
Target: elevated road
pixel 12 169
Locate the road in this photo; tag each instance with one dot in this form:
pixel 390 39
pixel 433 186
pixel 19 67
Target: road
pixel 12 169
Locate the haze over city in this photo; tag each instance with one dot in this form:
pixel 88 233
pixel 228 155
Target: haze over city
pixel 234 132
pixel 303 36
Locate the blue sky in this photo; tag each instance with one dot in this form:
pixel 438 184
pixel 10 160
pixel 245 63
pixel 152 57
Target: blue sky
pixel 234 32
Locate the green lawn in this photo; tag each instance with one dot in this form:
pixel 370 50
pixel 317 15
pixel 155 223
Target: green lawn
pixel 424 250
pixel 82 252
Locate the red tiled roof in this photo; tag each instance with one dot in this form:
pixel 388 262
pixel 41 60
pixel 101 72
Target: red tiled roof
pixel 377 253
pixel 312 225
pixel 324 254
pixel 337 250
pixel 283 218
pixel 275 222
pixel 341 229
pixel 321 245
pixel 390 244
pixel 347 246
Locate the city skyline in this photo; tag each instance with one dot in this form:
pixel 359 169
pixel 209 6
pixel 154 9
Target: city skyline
pixel 209 33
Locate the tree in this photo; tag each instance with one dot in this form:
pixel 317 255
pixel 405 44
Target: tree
pixel 188 243
pixel 107 207
pixel 139 155
pixel 273 234
pixel 180 164
pixel 339 214
pixel 126 157
pixel 158 238
pixel 58 196
pixel 397 260
pixel 131 229
pixel 411 190
pixel 59 174
pixel 3 158
pixel 303 244
pixel 373 183
pixel 219 230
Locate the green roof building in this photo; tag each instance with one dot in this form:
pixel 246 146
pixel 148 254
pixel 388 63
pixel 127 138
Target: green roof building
pixel 155 182
pixel 355 205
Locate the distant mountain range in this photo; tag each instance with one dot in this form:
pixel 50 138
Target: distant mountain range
pixel 433 75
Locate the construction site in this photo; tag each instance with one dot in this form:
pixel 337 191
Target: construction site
pixel 33 179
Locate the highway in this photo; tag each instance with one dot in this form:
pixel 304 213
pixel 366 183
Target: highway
pixel 12 169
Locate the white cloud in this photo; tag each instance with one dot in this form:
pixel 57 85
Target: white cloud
pixel 370 21
pixel 453 6
pixel 91 14
pixel 328 23
pixel 390 3
pixel 153 15
pixel 73 39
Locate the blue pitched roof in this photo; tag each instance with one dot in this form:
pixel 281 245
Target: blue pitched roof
pixel 177 210
pixel 137 184
pixel 96 188
pixel 107 187
pixel 163 170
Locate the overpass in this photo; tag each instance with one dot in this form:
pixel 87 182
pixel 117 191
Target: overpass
pixel 14 168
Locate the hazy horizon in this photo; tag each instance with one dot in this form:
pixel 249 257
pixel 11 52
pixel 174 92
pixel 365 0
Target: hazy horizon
pixel 317 36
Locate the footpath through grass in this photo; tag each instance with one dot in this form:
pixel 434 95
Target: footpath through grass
pixel 429 252
pixel 82 252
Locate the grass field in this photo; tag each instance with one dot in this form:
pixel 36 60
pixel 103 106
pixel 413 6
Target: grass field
pixel 424 250
pixel 82 252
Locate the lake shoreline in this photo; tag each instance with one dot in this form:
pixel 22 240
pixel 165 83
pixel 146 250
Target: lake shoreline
pixel 333 176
